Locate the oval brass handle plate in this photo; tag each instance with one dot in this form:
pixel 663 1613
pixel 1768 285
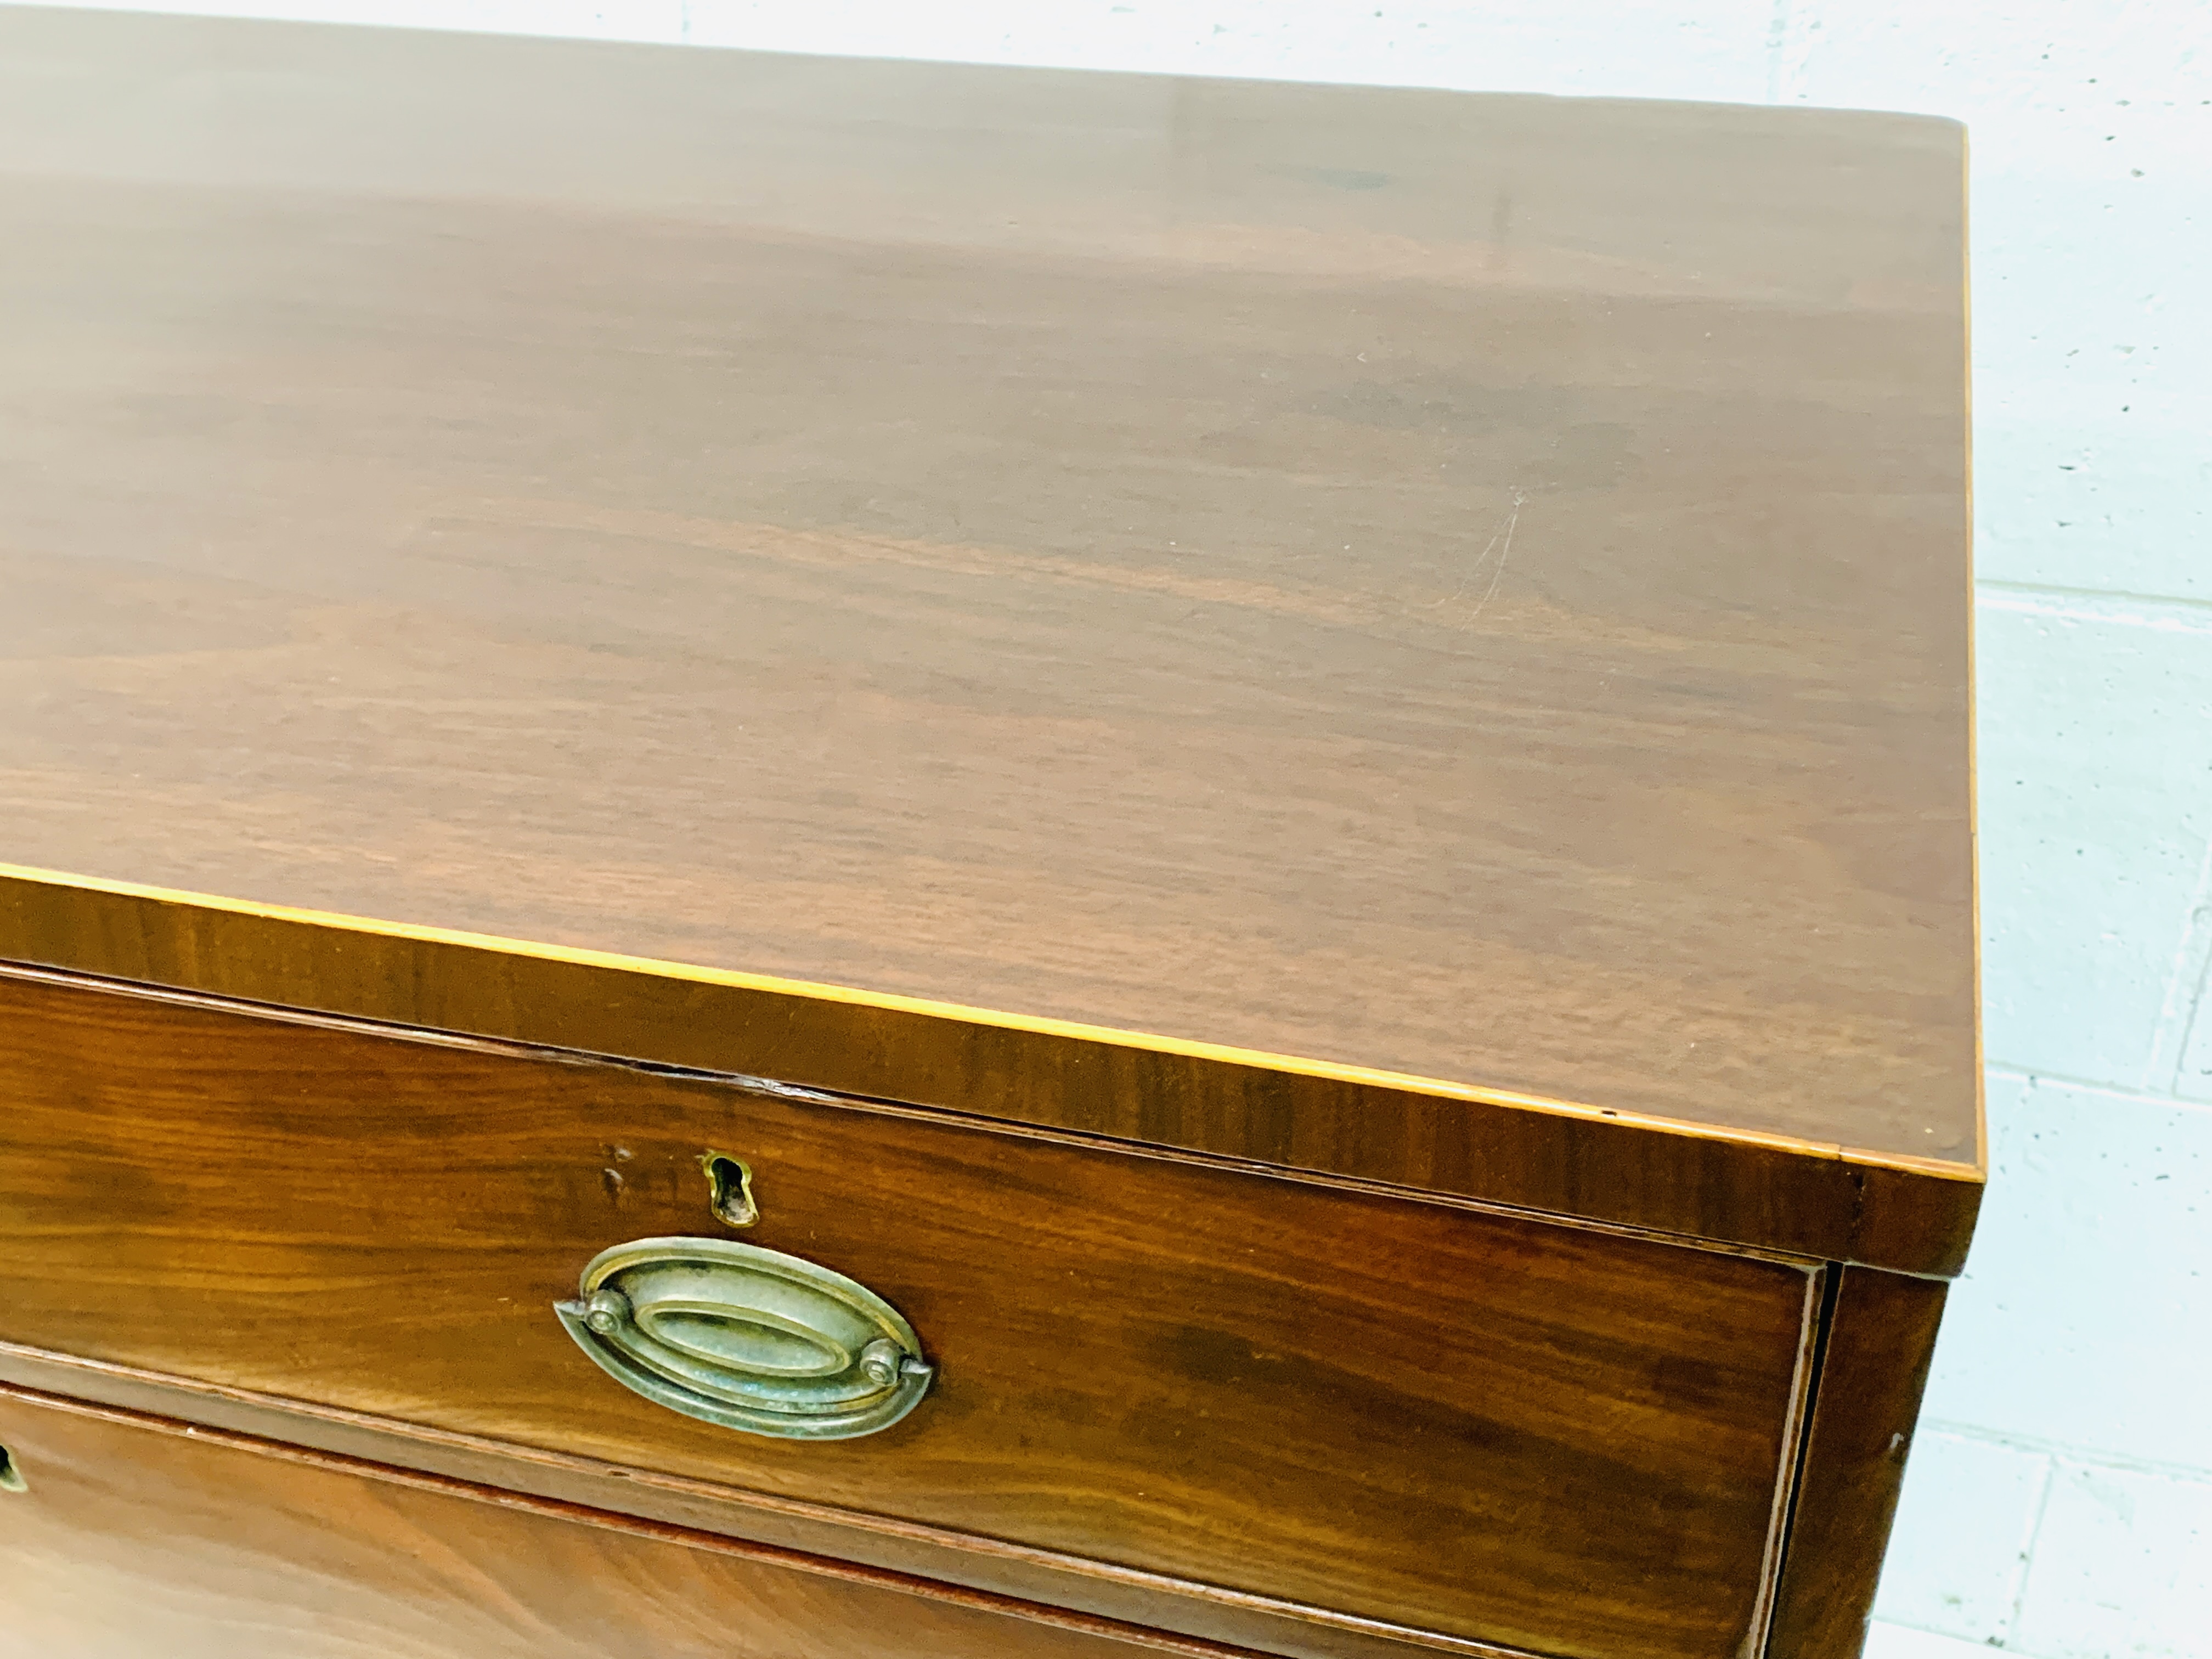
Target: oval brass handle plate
pixel 747 1338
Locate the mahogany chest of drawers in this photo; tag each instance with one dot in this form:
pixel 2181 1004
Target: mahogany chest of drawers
pixel 877 859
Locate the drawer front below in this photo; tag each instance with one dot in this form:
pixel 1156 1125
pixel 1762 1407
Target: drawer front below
pixel 1493 1428
pixel 126 1538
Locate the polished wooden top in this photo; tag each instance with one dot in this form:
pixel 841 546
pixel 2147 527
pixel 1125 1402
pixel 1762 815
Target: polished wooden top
pixel 1475 586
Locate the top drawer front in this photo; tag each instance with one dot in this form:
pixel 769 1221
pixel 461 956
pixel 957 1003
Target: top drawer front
pixel 1483 1425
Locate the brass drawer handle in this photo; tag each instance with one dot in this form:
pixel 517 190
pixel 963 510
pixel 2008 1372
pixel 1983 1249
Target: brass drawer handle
pixel 747 1338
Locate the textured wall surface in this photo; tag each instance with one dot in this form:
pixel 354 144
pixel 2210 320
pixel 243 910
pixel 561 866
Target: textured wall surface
pixel 2059 1502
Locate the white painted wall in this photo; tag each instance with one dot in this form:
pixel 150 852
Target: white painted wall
pixel 2059 1502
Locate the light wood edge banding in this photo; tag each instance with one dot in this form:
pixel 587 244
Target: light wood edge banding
pixel 502 1048
pixel 1800 1197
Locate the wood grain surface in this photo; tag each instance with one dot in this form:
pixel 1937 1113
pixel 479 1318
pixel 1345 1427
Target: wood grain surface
pixel 1472 586
pixel 1498 1429
pixel 1006 1572
pixel 1881 1341
pixel 136 1535
pixel 1837 1203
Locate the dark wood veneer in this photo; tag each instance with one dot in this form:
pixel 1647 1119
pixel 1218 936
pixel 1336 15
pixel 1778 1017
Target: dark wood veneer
pixel 137 1534
pixel 1298 760
pixel 1032 540
pixel 1881 1339
pixel 1496 1427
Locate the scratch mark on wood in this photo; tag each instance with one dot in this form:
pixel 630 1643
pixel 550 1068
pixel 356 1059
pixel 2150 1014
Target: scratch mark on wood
pixel 1501 544
pixel 1504 553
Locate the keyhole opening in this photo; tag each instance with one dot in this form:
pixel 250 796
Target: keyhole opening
pixel 731 1188
pixel 11 1478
